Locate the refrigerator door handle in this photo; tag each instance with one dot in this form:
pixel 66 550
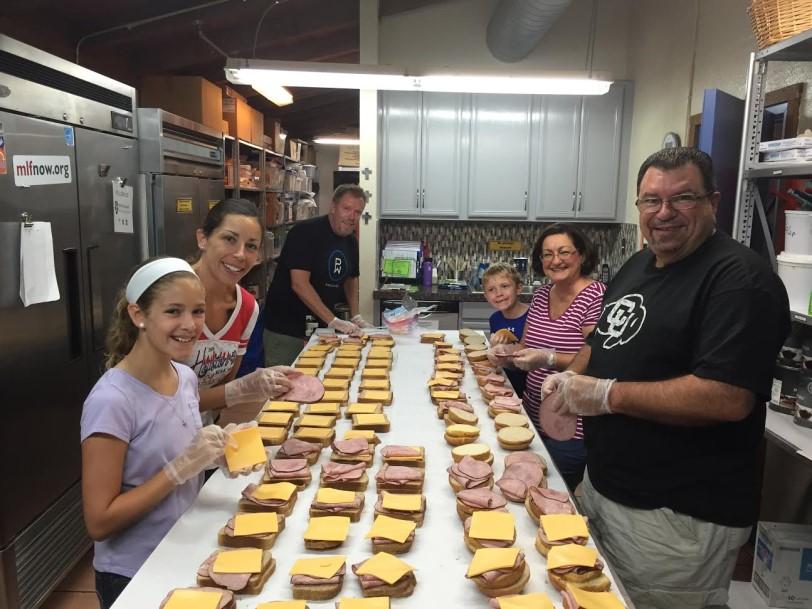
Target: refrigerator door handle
pixel 73 302
pixel 96 304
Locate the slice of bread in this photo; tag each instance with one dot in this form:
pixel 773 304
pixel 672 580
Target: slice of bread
pixel 400 589
pixel 255 582
pixel 317 592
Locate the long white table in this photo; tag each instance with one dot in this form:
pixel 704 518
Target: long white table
pixel 438 553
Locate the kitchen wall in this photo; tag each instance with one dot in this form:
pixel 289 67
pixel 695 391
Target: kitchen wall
pixel 327 163
pixel 468 241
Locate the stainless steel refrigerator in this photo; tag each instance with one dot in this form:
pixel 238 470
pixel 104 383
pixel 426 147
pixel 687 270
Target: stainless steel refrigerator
pixel 51 353
pixel 181 176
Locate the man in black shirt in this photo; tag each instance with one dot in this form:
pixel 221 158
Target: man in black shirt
pixel 673 383
pixel 317 269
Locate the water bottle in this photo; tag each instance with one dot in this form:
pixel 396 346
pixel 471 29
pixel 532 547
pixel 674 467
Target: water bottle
pixel 427 273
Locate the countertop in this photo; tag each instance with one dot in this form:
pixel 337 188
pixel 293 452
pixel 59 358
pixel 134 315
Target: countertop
pixel 438 555
pixel 435 293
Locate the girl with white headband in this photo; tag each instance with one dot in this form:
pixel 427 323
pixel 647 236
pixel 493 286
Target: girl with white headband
pixel 143 444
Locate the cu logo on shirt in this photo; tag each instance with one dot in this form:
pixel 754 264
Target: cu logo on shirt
pixel 336 266
pixel 622 320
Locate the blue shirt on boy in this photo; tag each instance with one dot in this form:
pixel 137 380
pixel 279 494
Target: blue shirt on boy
pixel 498 321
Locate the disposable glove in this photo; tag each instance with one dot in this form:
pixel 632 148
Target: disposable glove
pixel 342 326
pixel 585 395
pixel 207 446
pixel 500 338
pixel 259 385
pixel 531 359
pixel 221 462
pixel 361 322
pixel 553 382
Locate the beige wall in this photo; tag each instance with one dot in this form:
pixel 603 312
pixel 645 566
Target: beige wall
pixel 327 162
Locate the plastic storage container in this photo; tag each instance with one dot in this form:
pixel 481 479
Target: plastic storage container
pixel 798 233
pixel 796 273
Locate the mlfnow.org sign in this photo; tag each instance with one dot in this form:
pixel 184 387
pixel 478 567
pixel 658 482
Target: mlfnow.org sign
pixel 39 170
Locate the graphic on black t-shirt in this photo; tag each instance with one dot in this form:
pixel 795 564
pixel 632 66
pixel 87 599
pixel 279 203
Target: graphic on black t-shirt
pixel 622 320
pixel 337 266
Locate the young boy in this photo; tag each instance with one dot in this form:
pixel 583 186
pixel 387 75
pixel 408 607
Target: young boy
pixel 502 285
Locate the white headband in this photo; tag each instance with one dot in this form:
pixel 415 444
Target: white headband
pixel 152 272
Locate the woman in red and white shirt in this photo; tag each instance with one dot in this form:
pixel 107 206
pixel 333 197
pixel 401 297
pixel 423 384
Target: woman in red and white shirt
pixel 561 316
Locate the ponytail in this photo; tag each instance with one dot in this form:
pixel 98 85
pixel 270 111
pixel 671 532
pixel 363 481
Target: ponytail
pixel 122 333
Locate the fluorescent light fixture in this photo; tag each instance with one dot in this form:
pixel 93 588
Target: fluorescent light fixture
pixel 337 141
pixel 256 72
pixel 276 93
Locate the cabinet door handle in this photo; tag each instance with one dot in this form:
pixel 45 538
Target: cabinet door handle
pixel 573 200
pixel 525 200
pixel 423 198
pixel 580 200
pixel 417 198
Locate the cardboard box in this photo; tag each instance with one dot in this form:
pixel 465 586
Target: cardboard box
pixel 273 129
pixel 349 156
pixel 257 120
pixel 191 97
pixel 237 113
pixel 294 148
pixel 782 569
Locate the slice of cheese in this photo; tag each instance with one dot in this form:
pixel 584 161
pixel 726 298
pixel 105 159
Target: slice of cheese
pixel 336 384
pixel 345 362
pixel 367 434
pixel 498 526
pixel 274 490
pixel 316 420
pixel 334 495
pixel 339 373
pixel 258 523
pixel 323 566
pixel 461 430
pixel 563 526
pixel 396 529
pixel 309 362
pixel 448 374
pixel 283 605
pixel 536 600
pixel 349 347
pixel 374 373
pixel 385 566
pixel 445 395
pixel 309 371
pixel 336 396
pixel 449 367
pixel 275 419
pixel 193 599
pixel 402 502
pixel 272 406
pixel 273 434
pixel 448 359
pixel 317 433
pixel 369 419
pixel 332 408
pixel 327 528
pixel 248 452
pixel 442 380
pixel 375 384
pixel 382 364
pixel 475 450
pixel 244 560
pixel 364 408
pixel 595 600
pixel 375 602
pixel 320 348
pixel 490 559
pixel 375 396
pixel 571 555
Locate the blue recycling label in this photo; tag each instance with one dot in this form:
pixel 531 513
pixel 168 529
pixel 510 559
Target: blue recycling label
pixel 806 565
pixel 69 136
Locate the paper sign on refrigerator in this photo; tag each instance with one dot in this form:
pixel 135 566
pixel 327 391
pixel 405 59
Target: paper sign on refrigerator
pixel 122 208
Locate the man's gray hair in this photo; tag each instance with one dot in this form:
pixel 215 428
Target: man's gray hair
pixel 674 158
pixel 351 189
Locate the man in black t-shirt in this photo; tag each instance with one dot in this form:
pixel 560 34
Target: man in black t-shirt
pixel 317 269
pixel 672 383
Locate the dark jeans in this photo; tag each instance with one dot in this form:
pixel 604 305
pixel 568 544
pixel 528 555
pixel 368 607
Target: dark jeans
pixel 108 587
pixel 570 459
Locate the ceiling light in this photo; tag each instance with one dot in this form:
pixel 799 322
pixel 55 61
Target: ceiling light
pixel 337 141
pixel 276 93
pixel 353 76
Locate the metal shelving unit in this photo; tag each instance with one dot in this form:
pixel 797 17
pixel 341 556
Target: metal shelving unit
pixel 750 209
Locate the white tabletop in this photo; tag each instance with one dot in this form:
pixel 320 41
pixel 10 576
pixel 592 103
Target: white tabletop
pixel 438 553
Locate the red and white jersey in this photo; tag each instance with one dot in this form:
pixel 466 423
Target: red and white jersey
pixel 215 354
pixel 564 334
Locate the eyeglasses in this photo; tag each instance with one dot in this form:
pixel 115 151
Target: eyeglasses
pixel 688 200
pixel 562 254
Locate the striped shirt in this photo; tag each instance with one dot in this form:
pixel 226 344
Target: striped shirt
pixel 564 335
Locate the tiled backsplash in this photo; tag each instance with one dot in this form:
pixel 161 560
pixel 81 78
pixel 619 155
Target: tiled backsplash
pixel 468 241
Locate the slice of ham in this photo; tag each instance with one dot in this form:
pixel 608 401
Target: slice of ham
pixel 398 450
pixel 470 472
pixel 398 474
pixel 558 426
pixel 518 477
pixel 488 577
pixel 579 569
pixel 353 446
pixel 305 389
pixel 480 368
pixel 581 541
pixel 524 456
pixel 287 469
pixel 493 378
pixel 342 472
pixel 336 507
pixel 380 540
pixel 329 339
pixel 309 580
pixel 230 581
pixel 226 596
pixel 481 498
pixel 293 448
pixel 498 390
pixel 248 493
pixel 353 340
pixel 369 582
pixel 486 543
pixel 504 403
pixel 568 600
pixel 504 351
pixel 549 501
pixel 444 405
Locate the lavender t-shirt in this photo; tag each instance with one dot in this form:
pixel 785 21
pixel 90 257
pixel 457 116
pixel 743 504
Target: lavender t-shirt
pixel 157 428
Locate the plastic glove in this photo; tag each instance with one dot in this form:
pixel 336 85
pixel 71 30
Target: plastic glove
pixel 207 446
pixel 553 382
pixel 501 338
pixel 585 395
pixel 221 462
pixel 259 385
pixel 342 326
pixel 494 360
pixel 361 322
pixel 530 359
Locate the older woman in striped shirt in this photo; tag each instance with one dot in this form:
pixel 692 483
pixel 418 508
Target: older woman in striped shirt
pixel 561 316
